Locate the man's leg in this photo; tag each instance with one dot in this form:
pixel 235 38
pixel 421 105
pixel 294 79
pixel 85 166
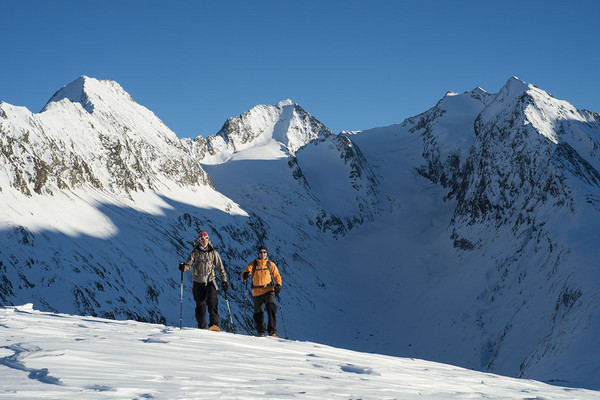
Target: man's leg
pixel 259 314
pixel 271 312
pixel 212 300
pixel 199 291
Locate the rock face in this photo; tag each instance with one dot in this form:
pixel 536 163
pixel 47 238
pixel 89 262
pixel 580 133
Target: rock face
pixel 467 234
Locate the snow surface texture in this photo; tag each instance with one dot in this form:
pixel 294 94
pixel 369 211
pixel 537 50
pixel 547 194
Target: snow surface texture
pixel 48 356
pixel 465 235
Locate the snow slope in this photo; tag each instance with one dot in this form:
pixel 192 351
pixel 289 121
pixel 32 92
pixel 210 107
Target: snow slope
pixel 49 355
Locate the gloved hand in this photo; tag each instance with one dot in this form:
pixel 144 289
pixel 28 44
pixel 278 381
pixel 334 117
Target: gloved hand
pixel 181 266
pixel 224 285
pixel 277 288
pixel 245 275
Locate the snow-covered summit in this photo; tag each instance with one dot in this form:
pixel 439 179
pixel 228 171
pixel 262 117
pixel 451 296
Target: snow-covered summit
pixel 112 106
pixel 270 131
pixel 92 133
pixel 90 91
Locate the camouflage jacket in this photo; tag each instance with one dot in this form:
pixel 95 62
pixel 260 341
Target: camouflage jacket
pixel 204 262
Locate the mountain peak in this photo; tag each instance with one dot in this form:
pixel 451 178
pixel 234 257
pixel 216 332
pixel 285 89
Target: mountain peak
pixel 90 92
pixel 262 125
pixel 516 79
pixel 74 92
pixel 514 87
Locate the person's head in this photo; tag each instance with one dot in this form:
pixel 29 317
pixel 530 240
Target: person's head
pixel 202 239
pixel 262 253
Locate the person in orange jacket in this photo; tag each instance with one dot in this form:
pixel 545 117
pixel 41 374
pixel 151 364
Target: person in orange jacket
pixel 266 283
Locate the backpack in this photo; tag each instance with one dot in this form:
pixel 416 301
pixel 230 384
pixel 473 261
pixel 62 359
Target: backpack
pixel 254 265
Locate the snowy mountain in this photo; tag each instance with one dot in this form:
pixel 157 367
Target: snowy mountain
pixel 506 245
pixel 532 177
pixel 92 133
pixel 50 356
pixel 284 125
pixel 443 237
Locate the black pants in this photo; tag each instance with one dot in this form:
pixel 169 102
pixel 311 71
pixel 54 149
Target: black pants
pixel 260 302
pixel 206 295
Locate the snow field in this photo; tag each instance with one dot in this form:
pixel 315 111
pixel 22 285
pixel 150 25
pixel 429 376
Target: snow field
pixel 47 356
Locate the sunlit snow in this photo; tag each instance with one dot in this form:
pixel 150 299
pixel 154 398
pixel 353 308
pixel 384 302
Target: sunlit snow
pixel 57 356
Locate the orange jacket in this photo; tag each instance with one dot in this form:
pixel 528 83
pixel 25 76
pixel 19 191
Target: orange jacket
pixel 263 277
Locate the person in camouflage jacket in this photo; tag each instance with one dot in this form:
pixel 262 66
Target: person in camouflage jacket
pixel 204 259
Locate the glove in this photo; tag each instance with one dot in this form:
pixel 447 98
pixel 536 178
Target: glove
pixel 277 288
pixel 181 266
pixel 245 275
pixel 224 285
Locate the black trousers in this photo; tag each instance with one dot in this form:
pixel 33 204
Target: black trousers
pixel 205 296
pixel 261 302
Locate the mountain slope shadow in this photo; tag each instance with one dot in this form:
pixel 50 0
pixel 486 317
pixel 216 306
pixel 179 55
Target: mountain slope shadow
pixel 133 273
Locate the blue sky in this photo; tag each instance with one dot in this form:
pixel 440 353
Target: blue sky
pixel 354 65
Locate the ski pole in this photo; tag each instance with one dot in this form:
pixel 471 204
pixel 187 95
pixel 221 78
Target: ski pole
pixel 181 305
pixel 246 297
pixel 229 309
pixel 281 310
pixel 247 301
